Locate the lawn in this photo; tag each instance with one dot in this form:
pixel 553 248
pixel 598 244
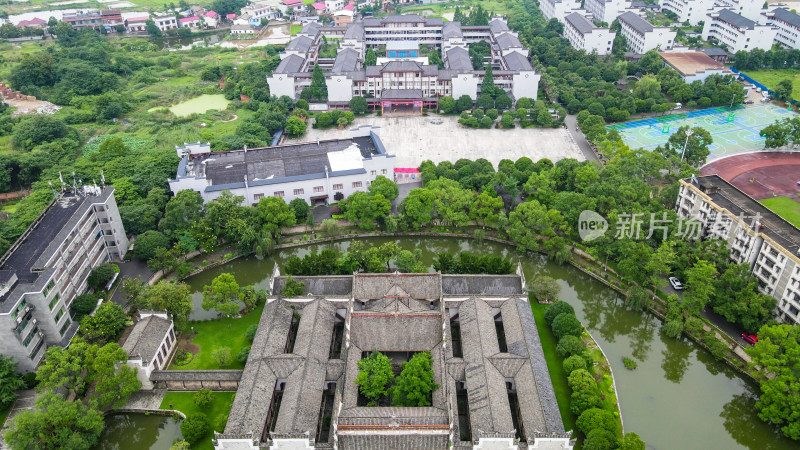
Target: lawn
pixel 785 207
pixel 213 334
pixel 217 412
pixel 771 77
pixel 295 29
pixel 555 365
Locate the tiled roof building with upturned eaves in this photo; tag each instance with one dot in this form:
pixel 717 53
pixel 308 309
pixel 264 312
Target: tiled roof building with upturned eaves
pixel 297 390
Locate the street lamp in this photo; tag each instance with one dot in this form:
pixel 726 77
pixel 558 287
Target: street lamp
pixel 689 132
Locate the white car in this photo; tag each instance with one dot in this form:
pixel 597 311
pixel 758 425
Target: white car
pixel 676 283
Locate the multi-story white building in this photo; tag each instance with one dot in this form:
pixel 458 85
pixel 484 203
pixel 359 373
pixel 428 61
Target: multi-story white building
pixel 786 25
pixel 47 268
pixel 401 78
pixel 317 172
pixel 752 9
pixel 606 10
pixel 738 32
pixel 694 11
pixel 558 9
pixel 583 35
pixel 165 22
pixel 643 36
pixel 754 234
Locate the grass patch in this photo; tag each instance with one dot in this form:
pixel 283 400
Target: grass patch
pixel 785 207
pixel 213 334
pixel 605 381
pixel 555 365
pixel 216 412
pixel 295 29
pixel 771 77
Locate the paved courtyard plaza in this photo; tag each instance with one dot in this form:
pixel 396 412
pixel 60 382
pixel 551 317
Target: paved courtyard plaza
pixel 418 138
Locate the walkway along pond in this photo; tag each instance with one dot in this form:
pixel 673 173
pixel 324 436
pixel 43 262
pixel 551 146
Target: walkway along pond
pixel 678 397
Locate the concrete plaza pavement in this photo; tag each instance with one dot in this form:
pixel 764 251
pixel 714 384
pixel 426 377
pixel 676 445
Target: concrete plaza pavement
pixel 413 139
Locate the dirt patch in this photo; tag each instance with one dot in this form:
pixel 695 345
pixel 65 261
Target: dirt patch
pixel 32 107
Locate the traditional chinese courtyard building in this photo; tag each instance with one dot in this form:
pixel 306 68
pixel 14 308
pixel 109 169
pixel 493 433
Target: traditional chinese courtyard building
pixel 298 392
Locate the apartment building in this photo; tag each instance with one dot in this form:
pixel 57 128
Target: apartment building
pixel 165 22
pixel 582 34
pixel 558 9
pixel 738 32
pixel 606 10
pixel 643 36
pixel 89 18
pixel 48 266
pixel 787 27
pixel 317 172
pixel 754 234
pixel 419 82
pixel 694 11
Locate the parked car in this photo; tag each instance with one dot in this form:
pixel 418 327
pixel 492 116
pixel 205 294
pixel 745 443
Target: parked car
pixel 676 283
pixel 751 338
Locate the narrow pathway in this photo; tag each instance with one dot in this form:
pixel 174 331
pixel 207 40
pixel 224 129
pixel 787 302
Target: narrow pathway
pixel 572 124
pixel 25 401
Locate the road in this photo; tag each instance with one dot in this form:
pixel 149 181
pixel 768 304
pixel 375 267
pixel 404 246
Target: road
pixel 726 327
pixel 572 124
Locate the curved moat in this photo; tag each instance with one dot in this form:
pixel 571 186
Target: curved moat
pixel 678 397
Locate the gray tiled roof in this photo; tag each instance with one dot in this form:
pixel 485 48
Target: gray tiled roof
pixel 354 31
pixel 517 62
pixel 787 16
pixel 504 285
pixel 291 64
pixel 636 22
pixel 401 66
pixel 415 285
pixel 146 337
pixel 498 26
pixel 736 20
pixel 346 61
pixel 330 285
pixel 458 59
pixel 580 23
pixel 452 30
pixel 311 28
pixel 507 40
pixel 300 44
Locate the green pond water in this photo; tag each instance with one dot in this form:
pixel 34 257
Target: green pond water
pixel 678 398
pixel 139 431
pixel 198 105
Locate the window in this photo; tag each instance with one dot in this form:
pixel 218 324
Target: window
pixel 54 301
pixel 47 288
pixel 21 306
pixel 318 188
pixel 372 172
pixel 338 186
pixel 356 184
pixel 36 349
pixel 278 194
pixel 298 191
pixel 383 171
pixel 60 314
pixel 65 327
pixel 258 197
pixel 30 336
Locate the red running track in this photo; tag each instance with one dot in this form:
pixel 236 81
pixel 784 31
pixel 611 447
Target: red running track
pixel 760 175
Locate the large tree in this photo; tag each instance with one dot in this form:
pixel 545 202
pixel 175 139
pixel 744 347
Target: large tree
pixel 364 209
pixel 776 363
pixel 10 381
pixel 55 423
pixel 374 376
pixel 274 214
pixel 385 187
pixel 415 384
pixel 181 213
pixel 105 324
pixel 223 294
pixel 696 147
pixel 700 285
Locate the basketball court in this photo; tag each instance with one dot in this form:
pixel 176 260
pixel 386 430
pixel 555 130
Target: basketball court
pixel 734 131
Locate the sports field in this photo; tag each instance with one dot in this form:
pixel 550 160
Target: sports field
pixel 734 131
